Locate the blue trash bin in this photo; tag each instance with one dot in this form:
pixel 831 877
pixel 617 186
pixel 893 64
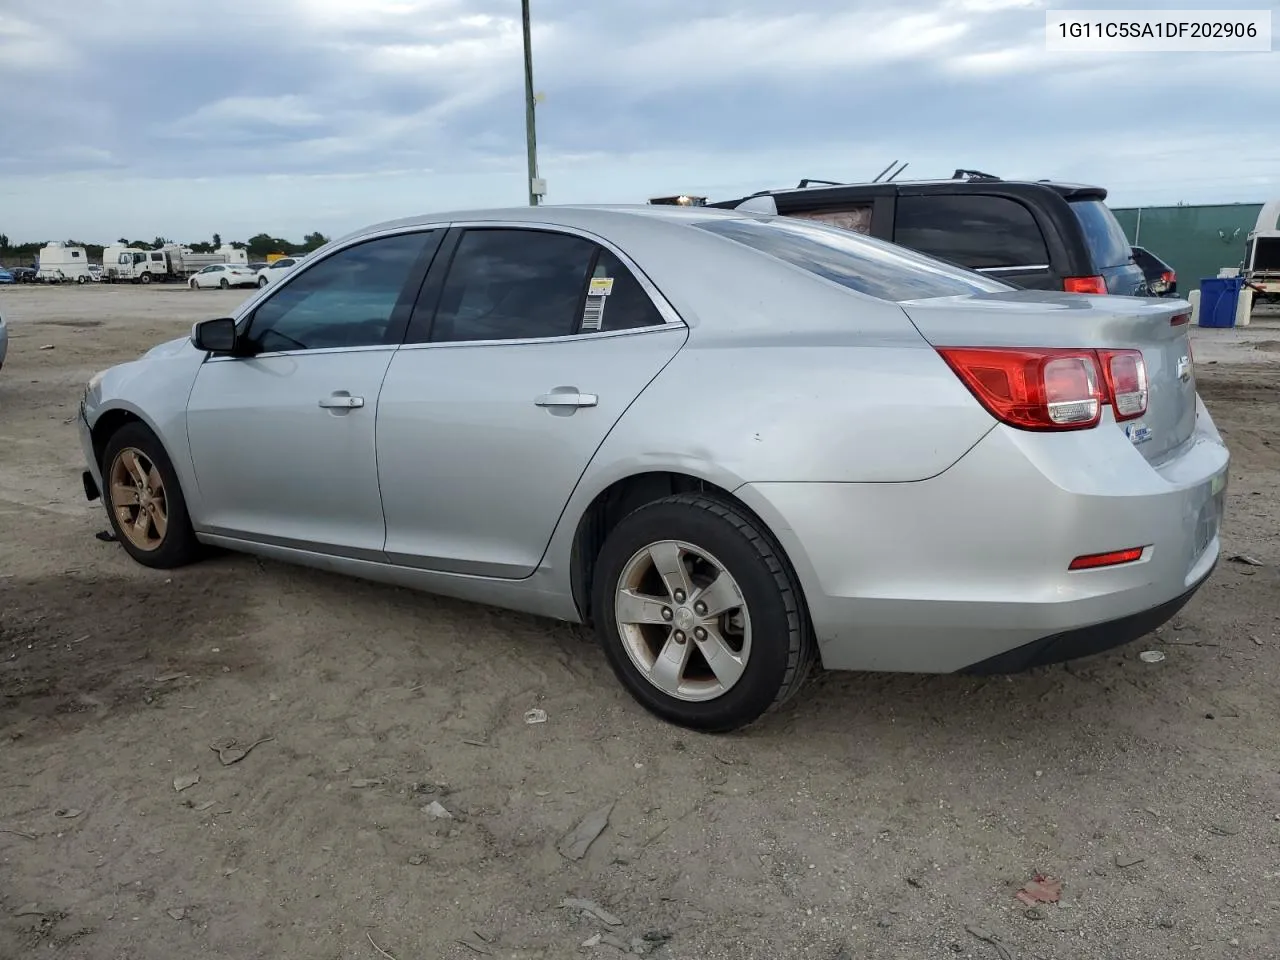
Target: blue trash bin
pixel 1218 299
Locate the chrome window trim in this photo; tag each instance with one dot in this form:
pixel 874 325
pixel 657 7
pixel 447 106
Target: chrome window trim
pixel 668 313
pixel 1028 266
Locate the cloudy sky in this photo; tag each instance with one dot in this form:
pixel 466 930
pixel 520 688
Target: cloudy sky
pixel 120 118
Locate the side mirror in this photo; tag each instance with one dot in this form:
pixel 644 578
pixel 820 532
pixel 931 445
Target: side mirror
pixel 215 336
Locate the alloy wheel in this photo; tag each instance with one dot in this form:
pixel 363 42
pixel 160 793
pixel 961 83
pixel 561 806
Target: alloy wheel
pixel 683 620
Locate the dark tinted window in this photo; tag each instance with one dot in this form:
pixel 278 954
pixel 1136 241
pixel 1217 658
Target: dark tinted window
pixel 514 284
pixel 345 300
pixel 864 264
pixel 1103 233
pixel 974 231
pixel 624 306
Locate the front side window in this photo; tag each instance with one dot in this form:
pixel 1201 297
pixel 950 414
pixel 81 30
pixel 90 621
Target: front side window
pixel 349 299
pixel 864 264
pixel 971 230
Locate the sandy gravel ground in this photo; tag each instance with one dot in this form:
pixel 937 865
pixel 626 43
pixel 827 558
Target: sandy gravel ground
pixel 877 817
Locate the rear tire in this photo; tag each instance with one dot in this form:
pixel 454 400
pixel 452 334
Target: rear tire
pixel 132 462
pixel 761 637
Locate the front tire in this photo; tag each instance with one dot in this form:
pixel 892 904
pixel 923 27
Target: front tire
pixel 145 278
pixel 262 281
pixel 700 614
pixel 224 284
pixel 193 285
pixel 144 500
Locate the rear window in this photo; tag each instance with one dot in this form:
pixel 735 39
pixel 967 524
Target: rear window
pixel 1102 232
pixel 873 267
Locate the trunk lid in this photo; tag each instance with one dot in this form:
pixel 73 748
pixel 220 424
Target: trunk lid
pixel 1043 318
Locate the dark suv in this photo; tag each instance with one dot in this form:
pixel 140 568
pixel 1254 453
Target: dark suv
pixel 1037 234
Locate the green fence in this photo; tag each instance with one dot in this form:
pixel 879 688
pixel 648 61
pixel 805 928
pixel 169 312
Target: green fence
pixel 1196 241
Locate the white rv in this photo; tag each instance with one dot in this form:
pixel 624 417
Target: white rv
pixel 59 263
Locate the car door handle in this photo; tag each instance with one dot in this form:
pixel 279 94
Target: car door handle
pixel 342 403
pixel 567 400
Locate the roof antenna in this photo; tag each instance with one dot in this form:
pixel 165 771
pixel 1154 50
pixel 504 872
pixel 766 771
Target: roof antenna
pixel 899 170
pixel 884 171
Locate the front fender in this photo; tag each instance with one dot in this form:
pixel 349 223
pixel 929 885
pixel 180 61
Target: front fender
pixel 154 389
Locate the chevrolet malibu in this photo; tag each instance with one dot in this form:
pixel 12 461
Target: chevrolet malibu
pixel 737 444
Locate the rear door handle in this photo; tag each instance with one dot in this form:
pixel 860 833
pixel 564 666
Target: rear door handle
pixel 567 400
pixel 342 403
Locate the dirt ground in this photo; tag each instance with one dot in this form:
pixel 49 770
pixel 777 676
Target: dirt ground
pixel 876 817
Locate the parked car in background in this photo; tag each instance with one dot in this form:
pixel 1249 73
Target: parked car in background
pixel 6 276
pixel 276 269
pixel 1161 278
pixel 24 274
pixel 1038 234
pixel 224 276
pixel 95 272
pixel 257 265
pixel 878 459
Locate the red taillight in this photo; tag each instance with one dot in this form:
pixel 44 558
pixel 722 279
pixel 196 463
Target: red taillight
pixel 1052 388
pixel 1126 376
pixel 1091 561
pixel 1179 320
pixel 1084 285
pixel 1032 389
pixel 1169 277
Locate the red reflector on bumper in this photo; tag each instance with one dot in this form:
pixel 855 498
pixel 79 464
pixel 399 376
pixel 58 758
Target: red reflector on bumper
pixel 1091 561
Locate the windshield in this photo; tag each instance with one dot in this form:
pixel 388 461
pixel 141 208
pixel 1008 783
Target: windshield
pixel 873 267
pixel 1106 240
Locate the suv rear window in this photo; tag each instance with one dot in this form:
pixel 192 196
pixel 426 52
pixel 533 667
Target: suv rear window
pixel 971 229
pixel 1102 232
pixel 869 266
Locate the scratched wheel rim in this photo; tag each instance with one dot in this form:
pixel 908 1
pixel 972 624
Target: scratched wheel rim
pixel 138 499
pixel 683 620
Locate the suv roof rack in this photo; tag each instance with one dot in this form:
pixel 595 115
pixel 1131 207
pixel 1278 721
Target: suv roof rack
pixel 963 174
pixel 825 183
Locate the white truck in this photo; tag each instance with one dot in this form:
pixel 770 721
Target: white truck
pixel 170 262
pixel 59 263
pixel 1262 255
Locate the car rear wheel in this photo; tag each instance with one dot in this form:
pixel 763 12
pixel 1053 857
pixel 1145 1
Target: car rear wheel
pixel 144 500
pixel 700 614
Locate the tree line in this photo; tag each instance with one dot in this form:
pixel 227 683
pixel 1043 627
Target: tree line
pixel 257 246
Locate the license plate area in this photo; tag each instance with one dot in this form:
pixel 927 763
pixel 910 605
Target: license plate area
pixel 1209 519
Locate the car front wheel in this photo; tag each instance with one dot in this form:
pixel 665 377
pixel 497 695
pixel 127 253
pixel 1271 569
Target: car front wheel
pixel 262 281
pixel 144 500
pixel 700 614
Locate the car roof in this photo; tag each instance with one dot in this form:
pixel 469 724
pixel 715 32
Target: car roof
pixel 603 217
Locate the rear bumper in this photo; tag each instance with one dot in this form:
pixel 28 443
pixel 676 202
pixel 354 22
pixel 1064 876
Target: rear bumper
pixel 969 570
pixel 1084 641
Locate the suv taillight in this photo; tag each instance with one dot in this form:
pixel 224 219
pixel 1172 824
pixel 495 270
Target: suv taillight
pixel 1084 285
pixel 1052 388
pixel 1169 277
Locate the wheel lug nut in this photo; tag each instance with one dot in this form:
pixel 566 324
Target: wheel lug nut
pixel 666 613
pixel 699 634
pixel 679 596
pixel 700 608
pixel 678 636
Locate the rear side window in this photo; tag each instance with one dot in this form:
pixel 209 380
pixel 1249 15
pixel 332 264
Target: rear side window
pixel 974 231
pixel 864 264
pixel 1103 233
pixel 855 218
pixel 615 299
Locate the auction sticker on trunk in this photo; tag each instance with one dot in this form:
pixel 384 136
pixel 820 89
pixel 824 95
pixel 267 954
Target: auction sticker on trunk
pixel 1137 431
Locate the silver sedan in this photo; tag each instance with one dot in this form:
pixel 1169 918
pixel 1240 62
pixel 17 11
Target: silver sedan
pixel 738 444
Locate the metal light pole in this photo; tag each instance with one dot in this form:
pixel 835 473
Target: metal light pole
pixel 529 123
